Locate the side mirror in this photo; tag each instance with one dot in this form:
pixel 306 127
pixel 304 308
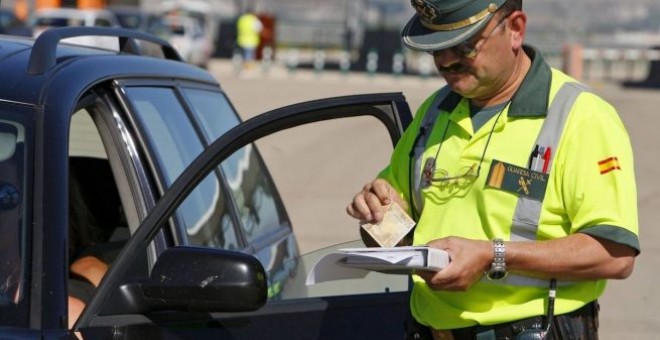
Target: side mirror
pixel 199 280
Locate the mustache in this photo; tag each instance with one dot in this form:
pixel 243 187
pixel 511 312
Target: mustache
pixel 453 68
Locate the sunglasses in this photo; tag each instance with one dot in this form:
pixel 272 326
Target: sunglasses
pixel 469 49
pixel 430 174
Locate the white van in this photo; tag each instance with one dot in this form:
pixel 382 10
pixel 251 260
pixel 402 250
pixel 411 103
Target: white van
pixel 188 36
pixel 44 19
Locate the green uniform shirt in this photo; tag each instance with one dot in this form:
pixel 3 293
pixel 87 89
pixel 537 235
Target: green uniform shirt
pixel 590 189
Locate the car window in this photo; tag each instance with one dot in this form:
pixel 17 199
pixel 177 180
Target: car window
pixel 97 223
pixel 213 110
pixel 252 189
pixel 58 22
pixel 84 138
pixel 14 220
pixel 172 136
pixel 315 163
pixel 8 19
pixel 205 215
pixel 131 21
pixel 254 193
pixel 197 31
pixel 102 22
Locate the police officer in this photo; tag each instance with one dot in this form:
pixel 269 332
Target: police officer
pixel 248 27
pixel 518 171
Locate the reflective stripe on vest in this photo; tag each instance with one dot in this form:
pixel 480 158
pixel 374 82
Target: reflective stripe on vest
pixel 425 128
pixel 526 218
pixel 525 221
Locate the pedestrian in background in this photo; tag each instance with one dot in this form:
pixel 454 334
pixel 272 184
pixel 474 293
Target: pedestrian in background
pixel 523 175
pixel 248 37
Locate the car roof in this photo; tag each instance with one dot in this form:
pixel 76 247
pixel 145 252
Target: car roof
pixel 34 71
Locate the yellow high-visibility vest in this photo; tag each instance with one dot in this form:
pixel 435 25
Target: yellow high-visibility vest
pixel 249 28
pixel 590 189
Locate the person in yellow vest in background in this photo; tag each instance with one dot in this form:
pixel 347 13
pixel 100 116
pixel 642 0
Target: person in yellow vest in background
pixel 248 36
pixel 523 175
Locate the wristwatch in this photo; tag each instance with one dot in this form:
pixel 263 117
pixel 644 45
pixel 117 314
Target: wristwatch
pixel 497 269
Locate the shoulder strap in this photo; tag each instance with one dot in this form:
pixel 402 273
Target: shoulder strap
pixel 429 119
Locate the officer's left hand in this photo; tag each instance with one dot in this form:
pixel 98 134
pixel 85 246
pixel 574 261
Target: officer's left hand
pixel 469 260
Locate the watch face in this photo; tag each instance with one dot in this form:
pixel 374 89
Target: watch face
pixel 496 274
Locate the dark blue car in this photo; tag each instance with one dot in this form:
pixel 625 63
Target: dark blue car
pixel 177 200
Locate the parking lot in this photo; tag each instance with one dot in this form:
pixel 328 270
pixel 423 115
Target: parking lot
pixel 627 307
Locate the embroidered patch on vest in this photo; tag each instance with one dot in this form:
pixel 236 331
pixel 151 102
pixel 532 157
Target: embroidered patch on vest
pixel 517 180
pixel 608 164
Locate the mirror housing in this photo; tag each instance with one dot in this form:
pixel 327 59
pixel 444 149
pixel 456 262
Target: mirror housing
pixel 199 280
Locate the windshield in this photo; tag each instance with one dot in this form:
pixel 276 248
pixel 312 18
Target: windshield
pixel 13 220
pixel 59 22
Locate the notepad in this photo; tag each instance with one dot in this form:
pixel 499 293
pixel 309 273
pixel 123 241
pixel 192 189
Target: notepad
pixel 350 263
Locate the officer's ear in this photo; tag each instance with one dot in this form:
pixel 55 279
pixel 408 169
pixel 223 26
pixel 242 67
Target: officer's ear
pixel 516 25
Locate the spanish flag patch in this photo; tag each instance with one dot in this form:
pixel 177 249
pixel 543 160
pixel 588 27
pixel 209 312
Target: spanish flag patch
pixel 608 164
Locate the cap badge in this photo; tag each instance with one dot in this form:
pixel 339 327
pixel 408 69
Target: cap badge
pixel 426 11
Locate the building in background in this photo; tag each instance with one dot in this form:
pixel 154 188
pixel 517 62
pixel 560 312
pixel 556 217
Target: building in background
pixel 362 27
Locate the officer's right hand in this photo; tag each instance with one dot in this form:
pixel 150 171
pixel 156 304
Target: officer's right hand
pixel 369 205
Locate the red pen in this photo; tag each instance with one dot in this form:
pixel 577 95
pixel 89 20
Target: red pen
pixel 546 159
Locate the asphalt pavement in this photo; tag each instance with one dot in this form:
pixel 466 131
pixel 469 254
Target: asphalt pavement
pixel 316 205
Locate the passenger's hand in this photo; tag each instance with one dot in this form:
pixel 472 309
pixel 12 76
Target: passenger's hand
pixel 469 260
pixel 369 205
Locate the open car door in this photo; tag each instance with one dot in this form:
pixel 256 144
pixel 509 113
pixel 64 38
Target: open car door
pixel 197 292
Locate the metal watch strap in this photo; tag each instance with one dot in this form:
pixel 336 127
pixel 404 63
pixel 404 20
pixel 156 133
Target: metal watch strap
pixel 498 267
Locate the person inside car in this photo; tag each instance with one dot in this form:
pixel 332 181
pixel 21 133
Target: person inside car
pixel 86 270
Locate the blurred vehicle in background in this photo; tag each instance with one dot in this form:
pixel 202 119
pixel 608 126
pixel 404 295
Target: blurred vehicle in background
pixel 44 19
pixel 202 11
pixel 137 19
pixel 10 24
pixel 194 27
pixel 188 36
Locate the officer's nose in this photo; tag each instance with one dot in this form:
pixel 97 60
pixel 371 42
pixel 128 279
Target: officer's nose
pixel 445 58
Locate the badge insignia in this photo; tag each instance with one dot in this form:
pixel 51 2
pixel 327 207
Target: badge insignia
pixel 425 10
pixel 517 180
pixel 524 185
